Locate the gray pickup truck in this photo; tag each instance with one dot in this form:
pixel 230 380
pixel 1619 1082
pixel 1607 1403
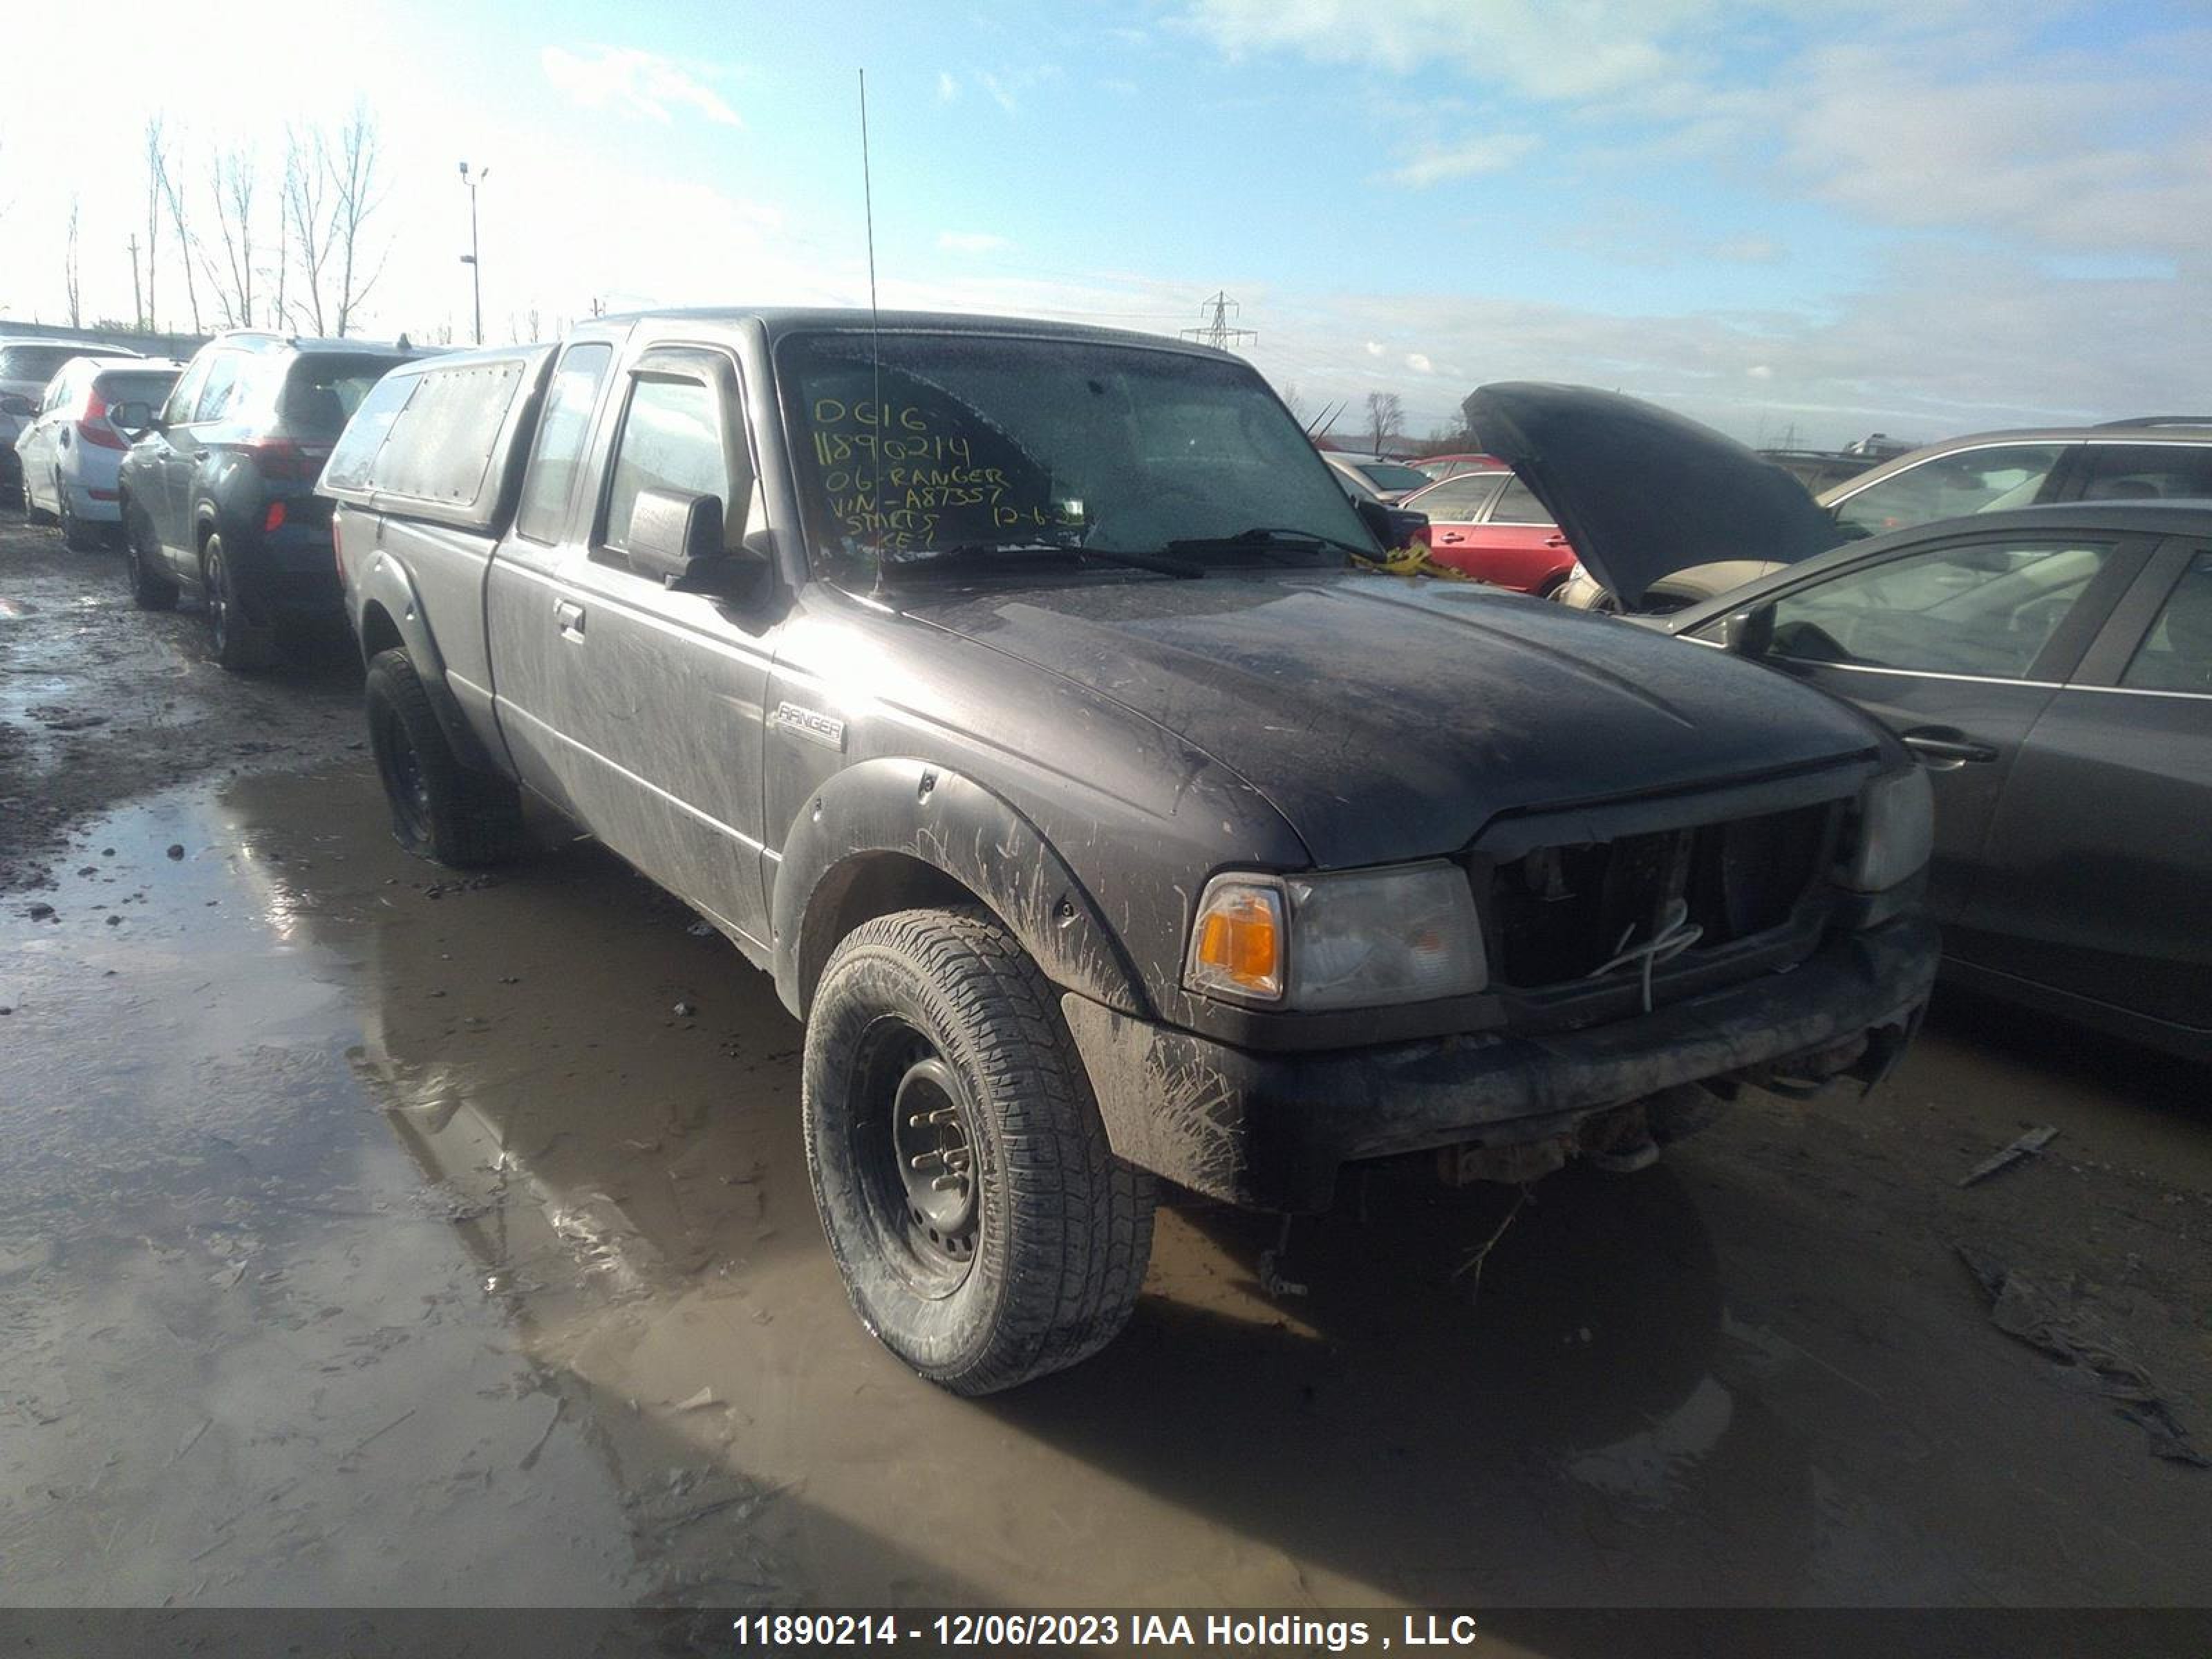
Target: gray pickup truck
pixel 1020 697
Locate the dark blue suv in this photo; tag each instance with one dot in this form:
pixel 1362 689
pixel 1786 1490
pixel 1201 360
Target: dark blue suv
pixel 218 489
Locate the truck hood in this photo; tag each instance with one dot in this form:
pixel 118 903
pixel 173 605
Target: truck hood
pixel 1386 718
pixel 1643 492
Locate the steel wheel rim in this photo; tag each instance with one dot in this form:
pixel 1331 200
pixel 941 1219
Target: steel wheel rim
pixel 911 1131
pixel 405 780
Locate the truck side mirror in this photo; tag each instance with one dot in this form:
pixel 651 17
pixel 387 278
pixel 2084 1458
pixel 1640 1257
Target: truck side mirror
pixel 675 538
pixel 1393 526
pixel 1748 632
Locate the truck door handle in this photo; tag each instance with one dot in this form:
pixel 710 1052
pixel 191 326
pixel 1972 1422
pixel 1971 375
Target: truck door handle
pixel 568 618
pixel 1945 750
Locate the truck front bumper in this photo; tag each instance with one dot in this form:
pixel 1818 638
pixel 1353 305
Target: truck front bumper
pixel 1269 1131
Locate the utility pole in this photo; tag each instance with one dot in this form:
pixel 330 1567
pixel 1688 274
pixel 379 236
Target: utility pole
pixel 138 299
pixel 1217 330
pixel 469 259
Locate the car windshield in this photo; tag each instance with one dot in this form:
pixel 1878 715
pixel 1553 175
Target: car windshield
pixel 146 386
pixel 320 389
pixel 1388 475
pixel 1982 480
pixel 986 444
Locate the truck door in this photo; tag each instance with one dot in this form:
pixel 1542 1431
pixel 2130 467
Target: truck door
pixel 527 571
pixel 649 701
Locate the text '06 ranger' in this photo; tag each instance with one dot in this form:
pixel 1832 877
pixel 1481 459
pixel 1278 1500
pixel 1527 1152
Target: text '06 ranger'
pixel 1013 694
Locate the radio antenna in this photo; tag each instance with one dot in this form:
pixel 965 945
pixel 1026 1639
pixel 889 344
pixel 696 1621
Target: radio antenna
pixel 868 199
pixel 875 321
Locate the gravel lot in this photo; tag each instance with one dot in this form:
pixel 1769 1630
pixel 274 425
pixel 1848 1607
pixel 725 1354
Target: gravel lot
pixel 371 1235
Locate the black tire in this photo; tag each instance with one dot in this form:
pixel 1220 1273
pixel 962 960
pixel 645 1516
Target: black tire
pixel 142 562
pixel 237 644
pixel 77 536
pixel 440 809
pixel 1043 1245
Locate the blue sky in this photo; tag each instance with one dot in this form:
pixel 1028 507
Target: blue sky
pixel 1922 216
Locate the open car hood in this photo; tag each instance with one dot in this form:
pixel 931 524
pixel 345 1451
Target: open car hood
pixel 1642 492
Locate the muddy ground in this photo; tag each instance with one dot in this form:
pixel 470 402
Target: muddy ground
pixel 372 1236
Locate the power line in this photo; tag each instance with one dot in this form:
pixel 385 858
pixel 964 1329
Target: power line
pixel 1218 331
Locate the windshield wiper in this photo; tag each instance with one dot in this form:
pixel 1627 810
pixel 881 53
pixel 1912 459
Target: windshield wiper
pixel 1268 539
pixel 986 551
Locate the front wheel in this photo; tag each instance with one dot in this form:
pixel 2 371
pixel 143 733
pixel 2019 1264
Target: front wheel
pixel 986 1232
pixel 441 808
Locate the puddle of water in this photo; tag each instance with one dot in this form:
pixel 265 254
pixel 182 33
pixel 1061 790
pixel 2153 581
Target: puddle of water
pixel 371 1236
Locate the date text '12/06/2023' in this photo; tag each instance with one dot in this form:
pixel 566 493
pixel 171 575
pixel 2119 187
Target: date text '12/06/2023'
pixel 892 479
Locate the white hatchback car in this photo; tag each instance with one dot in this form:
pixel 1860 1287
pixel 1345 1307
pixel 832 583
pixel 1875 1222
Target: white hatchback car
pixel 71 448
pixel 28 364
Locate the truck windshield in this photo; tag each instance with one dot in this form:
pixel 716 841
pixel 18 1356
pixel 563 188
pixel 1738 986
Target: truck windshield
pixel 974 444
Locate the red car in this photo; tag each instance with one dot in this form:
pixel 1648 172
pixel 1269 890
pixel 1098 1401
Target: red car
pixel 1488 524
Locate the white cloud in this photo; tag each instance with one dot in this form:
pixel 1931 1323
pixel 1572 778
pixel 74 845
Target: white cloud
pixel 948 88
pixel 970 241
pixel 1420 363
pixel 1748 250
pixel 1432 164
pixel 634 81
pixel 1375 347
pixel 1910 114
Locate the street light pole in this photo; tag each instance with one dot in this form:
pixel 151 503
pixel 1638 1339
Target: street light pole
pixel 469 259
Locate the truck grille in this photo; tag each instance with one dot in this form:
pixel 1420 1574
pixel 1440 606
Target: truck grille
pixel 1559 913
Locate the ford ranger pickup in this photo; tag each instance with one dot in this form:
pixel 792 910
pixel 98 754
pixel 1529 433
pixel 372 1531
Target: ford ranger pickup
pixel 1023 699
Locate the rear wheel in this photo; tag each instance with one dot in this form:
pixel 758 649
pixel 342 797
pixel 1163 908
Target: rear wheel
pixel 239 646
pixel 77 536
pixel 986 1231
pixel 150 589
pixel 441 808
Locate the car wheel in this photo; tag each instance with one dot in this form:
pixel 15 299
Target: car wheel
pixel 239 646
pixel 143 563
pixel 77 536
pixel 442 809
pixel 986 1232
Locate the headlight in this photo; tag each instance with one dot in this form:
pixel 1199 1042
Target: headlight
pixel 1353 941
pixel 1896 832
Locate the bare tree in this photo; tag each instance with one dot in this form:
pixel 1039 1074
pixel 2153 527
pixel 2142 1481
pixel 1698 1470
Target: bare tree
pixel 306 191
pixel 156 148
pixel 69 270
pixel 357 189
pixel 232 177
pixel 1386 418
pixel 1295 401
pixel 283 267
pixel 172 194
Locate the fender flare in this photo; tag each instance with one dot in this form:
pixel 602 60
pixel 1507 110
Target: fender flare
pixel 386 587
pixel 955 826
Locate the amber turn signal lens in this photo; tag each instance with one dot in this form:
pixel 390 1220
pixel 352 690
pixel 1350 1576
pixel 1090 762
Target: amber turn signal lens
pixel 1237 944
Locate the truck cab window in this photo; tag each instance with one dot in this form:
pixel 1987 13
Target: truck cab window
pixel 671 439
pixel 562 434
